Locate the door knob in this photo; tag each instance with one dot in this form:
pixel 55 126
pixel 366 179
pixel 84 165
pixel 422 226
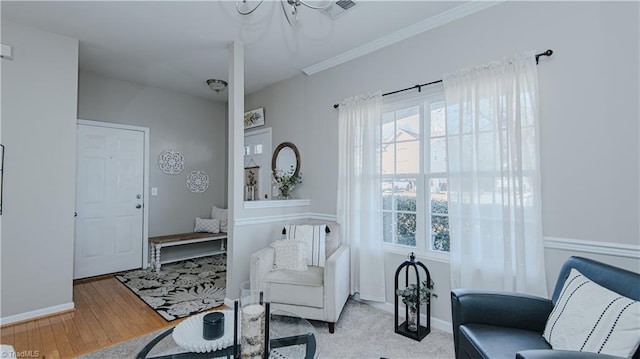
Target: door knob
pixel 138 205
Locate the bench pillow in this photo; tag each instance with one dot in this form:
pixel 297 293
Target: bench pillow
pixel 207 225
pixel 222 215
pixel 590 318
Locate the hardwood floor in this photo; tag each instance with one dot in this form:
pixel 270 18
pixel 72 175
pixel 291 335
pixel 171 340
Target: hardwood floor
pixel 106 313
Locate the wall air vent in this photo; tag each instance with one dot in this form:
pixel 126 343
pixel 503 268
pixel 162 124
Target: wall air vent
pixel 338 8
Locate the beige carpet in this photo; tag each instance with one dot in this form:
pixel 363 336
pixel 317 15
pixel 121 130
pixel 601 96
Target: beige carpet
pixel 361 332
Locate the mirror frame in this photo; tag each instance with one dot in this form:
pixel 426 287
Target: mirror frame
pixel 276 152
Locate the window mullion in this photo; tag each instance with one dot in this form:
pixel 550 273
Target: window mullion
pixel 402 118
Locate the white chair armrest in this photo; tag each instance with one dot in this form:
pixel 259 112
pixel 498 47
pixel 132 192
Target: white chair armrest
pixel 261 264
pixel 337 282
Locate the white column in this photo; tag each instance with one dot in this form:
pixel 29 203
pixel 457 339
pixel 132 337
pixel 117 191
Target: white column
pixel 235 160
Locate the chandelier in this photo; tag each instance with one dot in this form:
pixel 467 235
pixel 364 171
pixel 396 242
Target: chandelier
pixel 289 8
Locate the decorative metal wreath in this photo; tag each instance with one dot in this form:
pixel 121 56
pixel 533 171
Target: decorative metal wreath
pixel 197 181
pixel 171 162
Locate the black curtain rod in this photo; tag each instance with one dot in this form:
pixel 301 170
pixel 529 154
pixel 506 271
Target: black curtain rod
pixel 419 87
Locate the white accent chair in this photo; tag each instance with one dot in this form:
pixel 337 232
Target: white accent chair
pixel 318 293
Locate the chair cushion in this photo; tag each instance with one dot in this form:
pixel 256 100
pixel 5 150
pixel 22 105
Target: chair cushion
pixel 489 341
pixel 588 317
pixel 297 288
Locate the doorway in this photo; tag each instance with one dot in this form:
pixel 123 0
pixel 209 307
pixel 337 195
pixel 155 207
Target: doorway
pixel 257 153
pixel 111 198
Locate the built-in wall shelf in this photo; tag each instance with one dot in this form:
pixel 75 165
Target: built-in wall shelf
pixel 277 203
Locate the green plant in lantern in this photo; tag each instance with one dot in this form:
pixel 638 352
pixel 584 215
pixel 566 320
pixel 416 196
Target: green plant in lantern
pixel 411 298
pixel 410 294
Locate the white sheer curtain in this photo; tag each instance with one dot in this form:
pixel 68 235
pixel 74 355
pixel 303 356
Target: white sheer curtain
pixel 494 177
pixel 359 201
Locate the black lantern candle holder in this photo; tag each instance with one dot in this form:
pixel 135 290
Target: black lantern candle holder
pixel 403 328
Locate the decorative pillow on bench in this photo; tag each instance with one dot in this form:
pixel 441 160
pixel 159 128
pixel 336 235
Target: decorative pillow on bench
pixel 222 215
pixel 591 318
pixel 207 225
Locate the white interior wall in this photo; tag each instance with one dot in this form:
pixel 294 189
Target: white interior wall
pixel 39 99
pixel 588 68
pixel 193 126
pixel 588 111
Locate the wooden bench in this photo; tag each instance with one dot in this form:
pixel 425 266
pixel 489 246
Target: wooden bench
pixel 157 243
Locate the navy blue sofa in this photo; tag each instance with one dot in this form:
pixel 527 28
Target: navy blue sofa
pixel 509 325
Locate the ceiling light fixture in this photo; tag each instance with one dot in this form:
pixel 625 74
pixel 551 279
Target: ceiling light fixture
pixel 289 7
pixel 217 85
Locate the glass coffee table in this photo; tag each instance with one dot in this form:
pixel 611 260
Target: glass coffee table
pixel 289 337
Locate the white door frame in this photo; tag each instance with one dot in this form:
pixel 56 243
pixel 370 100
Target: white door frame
pixel 268 156
pixel 145 202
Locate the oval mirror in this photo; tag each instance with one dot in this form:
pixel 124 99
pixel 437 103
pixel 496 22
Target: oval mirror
pixel 285 158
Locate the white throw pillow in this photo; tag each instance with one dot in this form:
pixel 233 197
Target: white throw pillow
pixel 222 215
pixel 289 255
pixel 313 239
pixel 590 318
pixel 207 225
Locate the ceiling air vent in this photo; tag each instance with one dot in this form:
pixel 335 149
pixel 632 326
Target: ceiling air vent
pixel 338 8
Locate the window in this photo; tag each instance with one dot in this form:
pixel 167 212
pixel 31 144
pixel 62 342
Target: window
pixel 414 174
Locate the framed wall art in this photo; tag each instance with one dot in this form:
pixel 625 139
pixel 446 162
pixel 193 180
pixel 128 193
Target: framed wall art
pixel 254 118
pixel 251 183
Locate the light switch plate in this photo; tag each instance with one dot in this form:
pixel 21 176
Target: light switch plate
pixel 154 191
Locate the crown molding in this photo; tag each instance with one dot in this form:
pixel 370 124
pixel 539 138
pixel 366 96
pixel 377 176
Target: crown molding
pixel 446 17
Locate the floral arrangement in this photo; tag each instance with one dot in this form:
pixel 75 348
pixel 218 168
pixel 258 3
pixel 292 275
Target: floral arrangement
pixel 410 295
pixel 286 181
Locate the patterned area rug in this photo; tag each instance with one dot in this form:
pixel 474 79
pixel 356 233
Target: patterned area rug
pixel 181 288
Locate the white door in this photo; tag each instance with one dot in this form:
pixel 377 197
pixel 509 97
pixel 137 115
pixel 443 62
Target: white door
pixel 257 152
pixel 109 200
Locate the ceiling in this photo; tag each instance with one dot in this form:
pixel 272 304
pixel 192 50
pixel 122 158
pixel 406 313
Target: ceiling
pixel 178 45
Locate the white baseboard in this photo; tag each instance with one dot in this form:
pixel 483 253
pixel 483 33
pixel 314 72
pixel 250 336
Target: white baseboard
pixel 36 313
pixel 229 302
pixel 435 322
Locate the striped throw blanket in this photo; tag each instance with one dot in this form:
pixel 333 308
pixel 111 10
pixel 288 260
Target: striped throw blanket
pixel 313 238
